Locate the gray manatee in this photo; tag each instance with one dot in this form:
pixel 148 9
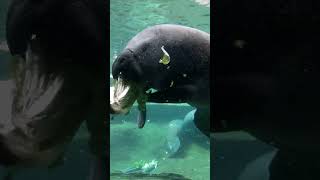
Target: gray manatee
pixel 172 59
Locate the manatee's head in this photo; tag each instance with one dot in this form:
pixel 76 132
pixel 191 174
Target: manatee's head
pixel 128 86
pixel 55 74
pixel 44 98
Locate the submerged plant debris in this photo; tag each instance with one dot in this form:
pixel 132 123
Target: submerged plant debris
pixel 161 176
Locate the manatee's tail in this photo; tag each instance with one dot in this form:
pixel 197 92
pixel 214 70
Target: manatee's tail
pixel 172 140
pixel 173 145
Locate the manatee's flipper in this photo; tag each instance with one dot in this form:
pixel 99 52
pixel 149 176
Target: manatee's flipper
pixel 202 120
pixel 189 117
pixel 173 145
pixel 142 116
pixel 179 94
pixel 173 141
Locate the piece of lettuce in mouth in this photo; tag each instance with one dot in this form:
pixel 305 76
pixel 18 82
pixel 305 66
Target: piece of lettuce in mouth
pixel 123 95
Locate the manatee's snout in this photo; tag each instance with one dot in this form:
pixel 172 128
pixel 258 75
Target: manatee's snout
pixel 122 97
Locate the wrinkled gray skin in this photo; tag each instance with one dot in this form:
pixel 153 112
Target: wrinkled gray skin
pixel 184 80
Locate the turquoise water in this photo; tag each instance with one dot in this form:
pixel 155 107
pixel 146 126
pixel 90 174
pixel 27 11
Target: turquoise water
pixel 130 144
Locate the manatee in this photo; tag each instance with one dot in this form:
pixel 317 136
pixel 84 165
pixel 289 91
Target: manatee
pixel 171 59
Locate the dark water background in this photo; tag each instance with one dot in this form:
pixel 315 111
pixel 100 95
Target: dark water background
pixel 3 57
pixel 76 165
pixel 233 152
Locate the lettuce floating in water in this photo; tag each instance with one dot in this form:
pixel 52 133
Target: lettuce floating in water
pixel 142 167
pixel 148 167
pixel 141 176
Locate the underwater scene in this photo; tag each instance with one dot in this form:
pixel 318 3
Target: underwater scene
pixel 169 146
pixel 76 161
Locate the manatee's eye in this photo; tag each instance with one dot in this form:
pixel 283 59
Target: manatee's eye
pixel 128 65
pixel 120 60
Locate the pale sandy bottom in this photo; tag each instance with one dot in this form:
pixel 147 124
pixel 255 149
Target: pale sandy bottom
pixel 130 144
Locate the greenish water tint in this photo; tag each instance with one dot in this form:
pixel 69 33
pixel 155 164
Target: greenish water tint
pixel 130 144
